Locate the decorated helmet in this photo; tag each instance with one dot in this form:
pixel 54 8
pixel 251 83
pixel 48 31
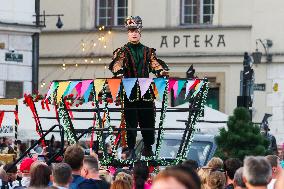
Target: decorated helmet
pixel 132 22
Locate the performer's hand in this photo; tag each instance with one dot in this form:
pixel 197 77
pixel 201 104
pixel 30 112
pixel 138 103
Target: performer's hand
pixel 164 73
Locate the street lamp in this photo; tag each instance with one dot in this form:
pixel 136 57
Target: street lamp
pixel 267 44
pixel 41 23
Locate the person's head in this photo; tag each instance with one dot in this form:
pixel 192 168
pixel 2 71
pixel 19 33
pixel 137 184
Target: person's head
pixel 216 180
pixel 257 171
pixel 140 174
pixel 133 25
pixel 125 153
pixel 238 179
pixel 230 167
pixel 203 174
pixel 177 177
pixel 120 184
pixel 40 174
pixel 134 35
pixel 74 156
pixel 216 163
pixel 191 163
pixel 125 177
pixel 25 166
pixel 61 174
pixel 90 167
pixel 3 174
pixel 275 164
pixel 11 171
pixel 105 176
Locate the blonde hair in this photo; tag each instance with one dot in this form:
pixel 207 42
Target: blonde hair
pixel 120 184
pixel 124 176
pixel 105 175
pixel 203 174
pixel 216 163
pixel 216 180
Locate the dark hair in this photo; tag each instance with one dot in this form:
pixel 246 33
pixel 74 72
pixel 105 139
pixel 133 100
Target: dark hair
pixel 231 165
pixel 74 156
pixel 40 175
pixel 190 163
pixel 92 163
pixel 140 173
pixel 273 160
pixel 184 175
pixel 61 173
pixel 11 169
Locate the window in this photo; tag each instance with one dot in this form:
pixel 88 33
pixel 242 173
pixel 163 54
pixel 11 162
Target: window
pixel 197 11
pixel 111 12
pixel 14 89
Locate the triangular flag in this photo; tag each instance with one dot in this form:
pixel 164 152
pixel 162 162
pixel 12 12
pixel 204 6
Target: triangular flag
pixel 85 86
pixel 78 88
pixel 114 85
pixel 161 86
pixel 53 86
pixel 98 84
pixel 198 87
pixel 70 88
pixel 61 89
pixel 178 87
pixel 171 84
pixel 1 118
pixel 144 84
pixel 189 86
pixel 87 93
pixel 128 84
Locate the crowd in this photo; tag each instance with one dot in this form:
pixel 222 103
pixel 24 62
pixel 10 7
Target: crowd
pixel 79 171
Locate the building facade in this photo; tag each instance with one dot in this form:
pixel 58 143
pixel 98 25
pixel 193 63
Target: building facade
pixel 16 47
pixel 210 34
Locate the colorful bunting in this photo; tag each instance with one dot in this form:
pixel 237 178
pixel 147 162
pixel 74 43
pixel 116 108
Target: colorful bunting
pixel 85 87
pixel 114 85
pixel 87 93
pixel 78 89
pixel 144 84
pixel 1 118
pixel 61 89
pixel 128 84
pixel 189 85
pixel 53 86
pixel 178 87
pixel 161 86
pixel 98 84
pixel 171 84
pixel 197 88
pixel 70 88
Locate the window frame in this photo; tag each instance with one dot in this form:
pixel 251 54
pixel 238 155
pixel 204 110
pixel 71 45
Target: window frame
pixel 200 13
pixel 114 13
pixel 22 88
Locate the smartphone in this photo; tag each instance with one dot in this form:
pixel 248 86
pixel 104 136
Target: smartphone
pixel 41 158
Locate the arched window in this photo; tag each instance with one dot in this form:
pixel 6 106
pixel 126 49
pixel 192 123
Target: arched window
pixel 111 12
pixel 197 11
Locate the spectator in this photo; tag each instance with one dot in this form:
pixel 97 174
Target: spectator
pixel 3 178
pixel 191 163
pixel 105 176
pixel 238 179
pixel 257 172
pixel 177 178
pixel 203 174
pixel 90 172
pixel 126 177
pixel 140 175
pixel 40 175
pixel 11 173
pixel 61 176
pixel 276 169
pixel 7 143
pixel 25 168
pixel 230 167
pixel 120 184
pixel 74 156
pixel 216 163
pixel 216 180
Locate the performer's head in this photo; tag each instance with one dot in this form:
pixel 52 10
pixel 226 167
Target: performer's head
pixel 133 25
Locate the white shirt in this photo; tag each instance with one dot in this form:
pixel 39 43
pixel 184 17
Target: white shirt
pixel 271 184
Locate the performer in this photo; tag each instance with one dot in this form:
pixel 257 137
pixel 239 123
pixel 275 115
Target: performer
pixel 134 60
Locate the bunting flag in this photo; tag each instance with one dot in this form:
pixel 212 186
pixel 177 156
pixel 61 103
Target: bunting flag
pixel 197 88
pixel 1 118
pixel 16 117
pixel 85 87
pixel 52 88
pixel 70 88
pixel 61 89
pixel 98 84
pixel 114 85
pixel 78 89
pixel 161 86
pixel 128 84
pixel 189 85
pixel 178 87
pixel 87 93
pixel 144 84
pixel 171 84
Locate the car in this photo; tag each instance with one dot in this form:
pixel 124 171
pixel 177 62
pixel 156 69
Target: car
pixel 202 148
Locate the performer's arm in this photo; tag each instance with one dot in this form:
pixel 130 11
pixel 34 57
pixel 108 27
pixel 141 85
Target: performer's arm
pixel 116 66
pixel 159 67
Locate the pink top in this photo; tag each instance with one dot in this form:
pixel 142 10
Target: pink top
pixel 146 186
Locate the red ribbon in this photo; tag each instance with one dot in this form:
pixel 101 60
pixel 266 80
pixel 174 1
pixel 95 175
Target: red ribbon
pixel 46 104
pixel 42 104
pixel 70 112
pixel 1 118
pixel 17 117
